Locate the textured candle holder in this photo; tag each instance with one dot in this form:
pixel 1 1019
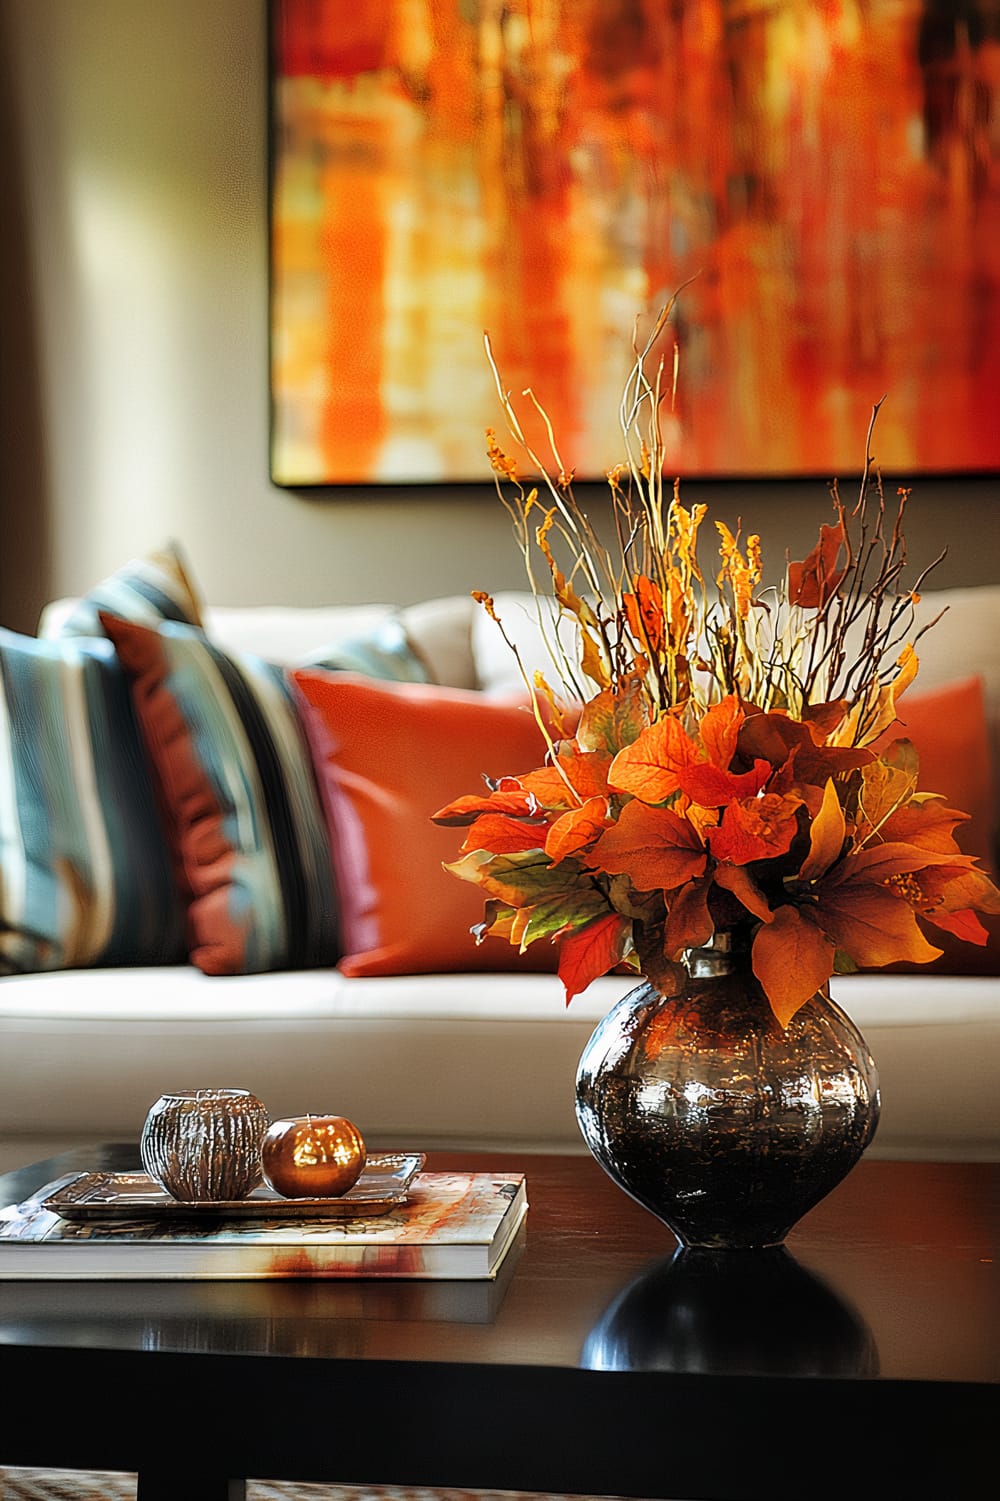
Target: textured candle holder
pixel 204 1144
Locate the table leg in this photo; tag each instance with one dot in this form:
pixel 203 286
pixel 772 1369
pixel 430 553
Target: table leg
pixel 190 1484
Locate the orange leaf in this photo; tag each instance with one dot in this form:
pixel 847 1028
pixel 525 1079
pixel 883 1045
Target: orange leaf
pixel 644 612
pixel 826 836
pixel 964 924
pixel 926 822
pixel 689 923
pixel 873 925
pixel 814 581
pixel 711 787
pixel 756 829
pixel 876 862
pixel 577 829
pixel 720 728
pixel 501 835
pixel 592 951
pixel 655 848
pixel 648 767
pixel 547 787
pixel 791 959
pixel 737 879
pixel 465 810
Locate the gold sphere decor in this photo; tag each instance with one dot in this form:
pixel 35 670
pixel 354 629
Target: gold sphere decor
pixel 312 1156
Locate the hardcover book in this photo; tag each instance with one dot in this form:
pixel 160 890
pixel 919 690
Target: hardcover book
pixel 452 1225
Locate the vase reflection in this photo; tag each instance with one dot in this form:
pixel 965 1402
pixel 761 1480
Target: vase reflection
pixel 757 1312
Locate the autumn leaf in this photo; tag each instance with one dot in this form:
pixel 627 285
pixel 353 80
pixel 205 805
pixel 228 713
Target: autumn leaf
pixel 502 835
pixel 778 738
pixel 719 730
pixel 576 830
pixel 711 787
pixel 872 924
pixel 738 880
pixel 689 923
pixel 465 810
pixel 561 912
pixel 592 951
pixel 758 828
pixel 814 581
pixel 876 710
pixel 654 847
pixel 612 720
pixel 648 768
pixel 644 613
pixel 827 833
pixel 792 959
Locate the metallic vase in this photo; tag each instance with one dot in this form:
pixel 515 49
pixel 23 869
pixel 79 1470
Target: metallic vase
pixel 723 1124
pixel 204 1144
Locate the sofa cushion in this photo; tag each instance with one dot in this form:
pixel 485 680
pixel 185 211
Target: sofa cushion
pixel 147 590
pixel 239 799
pixel 482 1061
pixel 85 873
pixel 390 755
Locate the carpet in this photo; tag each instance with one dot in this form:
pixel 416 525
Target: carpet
pixel 107 1485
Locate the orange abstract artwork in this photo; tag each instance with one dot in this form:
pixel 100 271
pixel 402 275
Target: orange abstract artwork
pixel 821 179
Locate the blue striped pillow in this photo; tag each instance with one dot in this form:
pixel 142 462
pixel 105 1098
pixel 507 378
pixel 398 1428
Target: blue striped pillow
pixel 85 872
pixel 149 589
pixel 242 807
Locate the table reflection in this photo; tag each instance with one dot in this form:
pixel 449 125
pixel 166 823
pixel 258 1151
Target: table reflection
pixel 753 1312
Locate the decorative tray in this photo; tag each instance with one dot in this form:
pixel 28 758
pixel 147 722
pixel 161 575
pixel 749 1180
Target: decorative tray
pixel 382 1186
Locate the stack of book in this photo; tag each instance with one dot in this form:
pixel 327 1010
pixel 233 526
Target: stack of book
pixel 99 1226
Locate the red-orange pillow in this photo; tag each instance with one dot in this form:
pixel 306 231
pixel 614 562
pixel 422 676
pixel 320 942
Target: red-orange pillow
pixel 948 728
pixel 388 755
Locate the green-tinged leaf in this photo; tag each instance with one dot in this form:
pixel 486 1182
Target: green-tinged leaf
pixel 613 719
pixel 562 912
pixel 523 879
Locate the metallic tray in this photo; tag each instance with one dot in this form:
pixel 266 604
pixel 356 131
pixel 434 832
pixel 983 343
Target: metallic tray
pixel 382 1186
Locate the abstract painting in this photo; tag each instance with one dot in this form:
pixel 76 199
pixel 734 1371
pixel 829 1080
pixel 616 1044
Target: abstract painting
pixel 819 179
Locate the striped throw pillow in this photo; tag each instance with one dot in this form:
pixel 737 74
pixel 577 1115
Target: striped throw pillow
pixel 157 587
pixel 85 873
pixel 240 800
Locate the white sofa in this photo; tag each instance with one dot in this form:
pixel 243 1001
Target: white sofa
pixel 454 1060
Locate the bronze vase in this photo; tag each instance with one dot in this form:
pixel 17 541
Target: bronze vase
pixel 723 1124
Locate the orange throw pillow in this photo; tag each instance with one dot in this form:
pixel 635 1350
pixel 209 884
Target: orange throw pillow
pixel 387 756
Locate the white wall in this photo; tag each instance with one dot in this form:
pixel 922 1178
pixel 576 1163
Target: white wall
pixel 139 128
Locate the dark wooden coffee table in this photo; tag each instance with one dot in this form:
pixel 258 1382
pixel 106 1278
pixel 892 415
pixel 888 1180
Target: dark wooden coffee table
pixel 863 1359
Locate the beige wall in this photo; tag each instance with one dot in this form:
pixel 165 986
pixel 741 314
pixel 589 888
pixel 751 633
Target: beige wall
pixel 134 283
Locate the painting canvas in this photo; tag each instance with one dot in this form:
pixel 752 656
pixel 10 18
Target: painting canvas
pixel 821 179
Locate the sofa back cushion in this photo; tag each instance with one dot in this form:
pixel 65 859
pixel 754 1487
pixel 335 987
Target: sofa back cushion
pixel 389 756
pixel 85 875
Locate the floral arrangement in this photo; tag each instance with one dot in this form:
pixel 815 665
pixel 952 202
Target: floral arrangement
pixel 709 746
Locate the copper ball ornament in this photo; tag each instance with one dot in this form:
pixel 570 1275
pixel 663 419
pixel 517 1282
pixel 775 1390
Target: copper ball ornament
pixel 312 1156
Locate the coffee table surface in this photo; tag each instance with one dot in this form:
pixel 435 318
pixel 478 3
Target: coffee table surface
pixel 597 1356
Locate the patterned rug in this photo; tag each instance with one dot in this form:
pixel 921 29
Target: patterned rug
pixel 107 1485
